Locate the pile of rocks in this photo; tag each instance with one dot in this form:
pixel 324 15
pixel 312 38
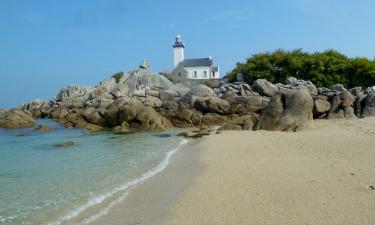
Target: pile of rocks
pixel 143 100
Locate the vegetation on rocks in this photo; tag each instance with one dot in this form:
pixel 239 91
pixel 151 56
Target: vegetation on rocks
pixel 324 69
pixel 117 76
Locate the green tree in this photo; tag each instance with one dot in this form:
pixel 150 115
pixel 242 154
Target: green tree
pixel 322 68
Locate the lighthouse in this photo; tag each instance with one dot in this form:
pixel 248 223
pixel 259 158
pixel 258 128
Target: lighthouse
pixel 178 51
pixel 196 68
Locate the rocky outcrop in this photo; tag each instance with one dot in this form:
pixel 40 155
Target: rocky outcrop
pixel 212 105
pixel 287 112
pixel 247 104
pixel 369 105
pixel 131 113
pixel 293 83
pixel 321 106
pixel 72 94
pixel 342 106
pixel 143 100
pixel 235 122
pixel 265 88
pixel 64 144
pixel 43 128
pixel 15 118
pixel 235 90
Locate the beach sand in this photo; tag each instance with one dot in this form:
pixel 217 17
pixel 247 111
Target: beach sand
pixel 322 175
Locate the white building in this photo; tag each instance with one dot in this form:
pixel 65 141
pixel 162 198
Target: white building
pixel 200 68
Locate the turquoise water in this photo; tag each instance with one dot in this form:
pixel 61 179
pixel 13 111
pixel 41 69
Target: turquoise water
pixel 42 184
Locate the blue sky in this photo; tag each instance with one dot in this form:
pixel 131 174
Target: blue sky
pixel 46 45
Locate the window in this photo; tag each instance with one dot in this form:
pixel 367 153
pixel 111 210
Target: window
pixel 195 74
pixel 205 74
pixel 179 75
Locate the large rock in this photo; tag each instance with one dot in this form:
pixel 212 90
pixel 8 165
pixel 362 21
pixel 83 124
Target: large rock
pixel 179 89
pixel 201 90
pixel 247 104
pixel 131 111
pixel 212 119
pixel 338 87
pixel 143 78
pixel 265 88
pixel 321 106
pixel 43 128
pixel 37 107
pixel 369 105
pixel 212 105
pixel 342 106
pixel 79 93
pixel 197 92
pixel 95 116
pixel 235 122
pixel 294 83
pixel 233 90
pixel 15 118
pixel 287 112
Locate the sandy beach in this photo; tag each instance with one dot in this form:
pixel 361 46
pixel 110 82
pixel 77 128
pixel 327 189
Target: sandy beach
pixel 322 175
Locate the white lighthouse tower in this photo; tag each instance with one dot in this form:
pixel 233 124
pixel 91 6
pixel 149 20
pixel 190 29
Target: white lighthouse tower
pixel 178 51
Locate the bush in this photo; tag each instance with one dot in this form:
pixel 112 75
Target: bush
pixel 118 76
pixel 322 68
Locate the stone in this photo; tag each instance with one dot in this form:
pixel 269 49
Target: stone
pixel 340 104
pixel 167 95
pixel 357 91
pixel 197 133
pixel 201 90
pixel 338 87
pixel 265 88
pixel 212 105
pixel 179 89
pixel 240 122
pixel 36 107
pixel 287 112
pixel 145 78
pixel 64 144
pixel 138 116
pixel 95 116
pixel 321 106
pixel 92 127
pixel 151 101
pixel 213 119
pixel 295 83
pixel 15 118
pixel 80 93
pixel 247 104
pixel 43 128
pixel 369 105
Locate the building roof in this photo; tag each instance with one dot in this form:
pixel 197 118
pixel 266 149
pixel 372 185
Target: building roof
pixel 197 62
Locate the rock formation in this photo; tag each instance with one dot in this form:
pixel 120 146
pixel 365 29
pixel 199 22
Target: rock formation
pixel 16 118
pixel 143 100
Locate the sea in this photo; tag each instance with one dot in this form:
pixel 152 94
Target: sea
pixel 44 184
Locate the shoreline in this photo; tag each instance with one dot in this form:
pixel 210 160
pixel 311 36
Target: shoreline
pixel 321 175
pixel 150 201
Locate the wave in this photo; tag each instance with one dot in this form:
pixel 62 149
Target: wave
pixel 123 188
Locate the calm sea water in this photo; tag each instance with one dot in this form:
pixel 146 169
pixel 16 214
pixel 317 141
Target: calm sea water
pixel 41 184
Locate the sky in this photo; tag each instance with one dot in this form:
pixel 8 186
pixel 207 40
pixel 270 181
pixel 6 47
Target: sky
pixel 47 45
